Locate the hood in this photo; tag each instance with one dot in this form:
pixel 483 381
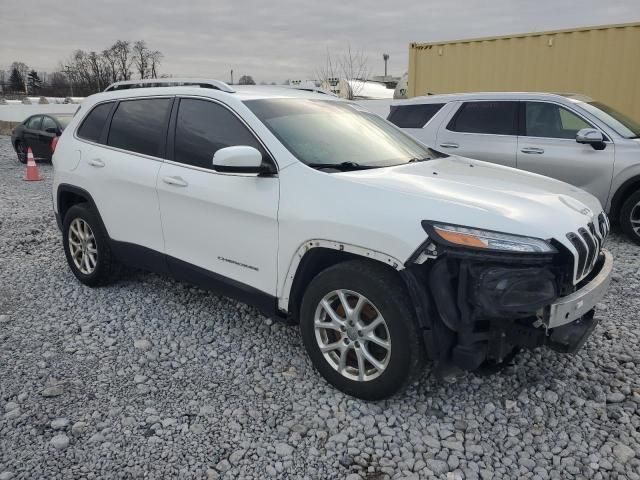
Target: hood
pixel 478 194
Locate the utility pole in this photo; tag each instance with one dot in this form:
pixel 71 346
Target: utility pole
pixel 385 57
pixel 67 70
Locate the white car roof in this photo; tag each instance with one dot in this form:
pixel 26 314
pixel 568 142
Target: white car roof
pixel 454 97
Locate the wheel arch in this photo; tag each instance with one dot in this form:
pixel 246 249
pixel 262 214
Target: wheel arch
pixel 622 193
pixel 313 257
pixel 69 195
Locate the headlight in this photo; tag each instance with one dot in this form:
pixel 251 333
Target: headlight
pixel 486 239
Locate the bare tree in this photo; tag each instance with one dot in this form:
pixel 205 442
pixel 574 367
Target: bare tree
pixel 140 54
pixel 99 69
pixel 155 58
pixel 344 74
pixel 328 73
pixel 355 70
pixel 111 59
pixel 122 51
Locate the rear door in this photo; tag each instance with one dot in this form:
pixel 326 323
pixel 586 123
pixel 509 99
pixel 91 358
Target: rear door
pixel 548 146
pixel 484 130
pixel 31 132
pixel 120 163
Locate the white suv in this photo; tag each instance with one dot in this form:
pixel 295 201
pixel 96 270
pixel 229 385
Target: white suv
pixel 569 137
pixel 311 208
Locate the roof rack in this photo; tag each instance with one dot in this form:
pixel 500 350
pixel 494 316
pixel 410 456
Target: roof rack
pixel 170 82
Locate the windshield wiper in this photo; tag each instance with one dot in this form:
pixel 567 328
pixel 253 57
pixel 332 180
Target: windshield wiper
pixel 415 159
pixel 342 166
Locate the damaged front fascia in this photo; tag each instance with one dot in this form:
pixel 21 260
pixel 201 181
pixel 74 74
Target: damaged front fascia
pixel 458 327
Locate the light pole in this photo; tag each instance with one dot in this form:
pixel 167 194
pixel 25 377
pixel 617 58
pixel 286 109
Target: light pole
pixel 385 57
pixel 67 70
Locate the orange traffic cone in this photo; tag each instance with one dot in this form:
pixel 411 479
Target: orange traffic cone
pixel 32 169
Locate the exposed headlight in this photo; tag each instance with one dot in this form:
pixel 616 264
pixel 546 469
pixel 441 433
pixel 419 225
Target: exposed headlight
pixel 486 239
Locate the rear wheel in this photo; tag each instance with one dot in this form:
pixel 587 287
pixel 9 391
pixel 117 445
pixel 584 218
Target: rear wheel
pixel 86 246
pixel 21 151
pixel 359 330
pixel 630 217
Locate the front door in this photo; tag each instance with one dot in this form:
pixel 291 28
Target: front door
pixel 484 130
pixel 217 225
pixel 548 146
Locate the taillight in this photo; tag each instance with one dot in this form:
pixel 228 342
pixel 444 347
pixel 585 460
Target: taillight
pixel 54 142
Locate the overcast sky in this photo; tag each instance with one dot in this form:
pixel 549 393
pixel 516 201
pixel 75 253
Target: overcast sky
pixel 274 40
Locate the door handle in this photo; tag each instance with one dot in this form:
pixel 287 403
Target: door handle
pixel 449 145
pixel 533 150
pixel 175 181
pixel 96 162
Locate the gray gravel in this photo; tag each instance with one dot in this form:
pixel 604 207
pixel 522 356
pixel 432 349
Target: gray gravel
pixel 157 379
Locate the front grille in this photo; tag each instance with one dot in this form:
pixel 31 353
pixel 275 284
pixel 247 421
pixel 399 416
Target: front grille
pixel 587 243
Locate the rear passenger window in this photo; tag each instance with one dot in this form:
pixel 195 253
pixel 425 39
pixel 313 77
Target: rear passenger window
pixel 203 128
pixel 413 116
pixel 496 118
pixel 92 126
pixel 140 125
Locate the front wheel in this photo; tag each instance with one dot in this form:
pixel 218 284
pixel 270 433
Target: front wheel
pixel 630 217
pixel 359 330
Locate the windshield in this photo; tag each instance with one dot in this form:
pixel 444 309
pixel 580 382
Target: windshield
pixel 326 134
pixel 623 125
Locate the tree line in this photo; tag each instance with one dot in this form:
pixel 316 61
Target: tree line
pixel 85 73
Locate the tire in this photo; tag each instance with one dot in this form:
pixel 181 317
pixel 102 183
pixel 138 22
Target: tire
pixel 21 152
pixel 100 268
pixel 630 217
pixel 382 295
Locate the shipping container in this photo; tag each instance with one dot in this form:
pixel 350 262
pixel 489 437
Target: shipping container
pixel 602 62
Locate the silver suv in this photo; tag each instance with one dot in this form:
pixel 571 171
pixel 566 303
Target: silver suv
pixel 569 137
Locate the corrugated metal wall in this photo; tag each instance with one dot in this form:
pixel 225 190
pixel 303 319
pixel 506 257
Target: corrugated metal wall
pixel 602 62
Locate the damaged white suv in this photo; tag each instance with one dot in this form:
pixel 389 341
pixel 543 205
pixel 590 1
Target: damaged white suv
pixel 386 252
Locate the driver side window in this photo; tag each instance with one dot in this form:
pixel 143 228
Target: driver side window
pixel 204 127
pixel 551 121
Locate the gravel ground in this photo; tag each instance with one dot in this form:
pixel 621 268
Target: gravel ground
pixel 152 378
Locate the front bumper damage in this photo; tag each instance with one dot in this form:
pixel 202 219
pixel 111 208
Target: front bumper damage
pixel 479 307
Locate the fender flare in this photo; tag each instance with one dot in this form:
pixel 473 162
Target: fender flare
pixel 81 192
pixel 304 248
pixel 620 194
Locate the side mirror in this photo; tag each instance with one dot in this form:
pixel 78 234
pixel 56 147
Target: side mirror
pixel 240 159
pixel 591 136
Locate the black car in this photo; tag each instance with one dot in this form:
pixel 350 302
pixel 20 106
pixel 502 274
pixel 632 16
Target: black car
pixel 37 132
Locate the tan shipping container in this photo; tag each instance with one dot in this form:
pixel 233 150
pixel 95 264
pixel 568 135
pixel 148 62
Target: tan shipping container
pixel 602 62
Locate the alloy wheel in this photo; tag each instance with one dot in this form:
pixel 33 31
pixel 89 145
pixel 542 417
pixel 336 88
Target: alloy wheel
pixel 352 335
pixel 82 246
